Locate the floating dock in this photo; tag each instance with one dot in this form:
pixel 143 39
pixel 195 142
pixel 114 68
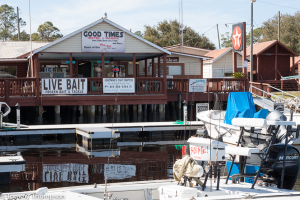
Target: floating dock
pixel 97 131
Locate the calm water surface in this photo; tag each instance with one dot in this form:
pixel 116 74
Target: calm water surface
pixel 57 163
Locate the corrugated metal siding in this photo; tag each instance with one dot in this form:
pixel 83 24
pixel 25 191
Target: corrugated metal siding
pixel 132 44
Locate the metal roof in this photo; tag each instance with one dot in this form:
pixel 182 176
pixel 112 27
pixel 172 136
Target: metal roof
pixel 95 23
pixel 15 49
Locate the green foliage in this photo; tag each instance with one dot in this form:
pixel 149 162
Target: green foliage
pixel 226 40
pixel 23 36
pixel 238 75
pixel 257 36
pixel 168 33
pixel 288 30
pixel 8 22
pixel 48 32
pixel 139 33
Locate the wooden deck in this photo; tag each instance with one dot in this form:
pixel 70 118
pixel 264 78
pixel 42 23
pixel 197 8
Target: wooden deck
pixel 148 90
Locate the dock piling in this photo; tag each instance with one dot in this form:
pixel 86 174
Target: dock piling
pixel 57 115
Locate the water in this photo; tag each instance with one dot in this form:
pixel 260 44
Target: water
pixel 63 163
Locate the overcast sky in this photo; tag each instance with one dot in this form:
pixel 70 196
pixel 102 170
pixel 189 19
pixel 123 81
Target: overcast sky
pixel 201 15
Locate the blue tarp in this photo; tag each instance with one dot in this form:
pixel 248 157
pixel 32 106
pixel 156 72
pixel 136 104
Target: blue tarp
pixel 239 104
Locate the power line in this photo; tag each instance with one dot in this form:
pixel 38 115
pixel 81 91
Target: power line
pixel 277 5
pixel 208 30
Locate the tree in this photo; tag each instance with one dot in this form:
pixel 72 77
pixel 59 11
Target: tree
pixel 168 33
pixel 8 22
pixel 139 33
pixel 257 36
pixel 23 36
pixel 226 40
pixel 288 30
pixel 48 32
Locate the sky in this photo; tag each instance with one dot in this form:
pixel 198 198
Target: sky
pixel 200 15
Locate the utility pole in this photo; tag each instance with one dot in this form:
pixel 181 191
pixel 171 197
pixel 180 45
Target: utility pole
pixel 251 43
pixel 218 36
pixel 278 25
pixel 18 23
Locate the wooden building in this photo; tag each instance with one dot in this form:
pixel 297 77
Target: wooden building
pixel 220 66
pixel 101 55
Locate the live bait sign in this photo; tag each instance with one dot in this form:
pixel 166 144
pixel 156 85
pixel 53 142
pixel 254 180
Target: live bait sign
pixel 64 86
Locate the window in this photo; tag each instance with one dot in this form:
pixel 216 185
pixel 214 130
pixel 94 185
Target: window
pixel 218 73
pixel 8 71
pixel 228 72
pixel 174 70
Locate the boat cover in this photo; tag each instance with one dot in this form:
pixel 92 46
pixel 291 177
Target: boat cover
pixel 240 105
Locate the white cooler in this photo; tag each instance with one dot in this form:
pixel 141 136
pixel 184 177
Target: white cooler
pixel 176 192
pixel 200 149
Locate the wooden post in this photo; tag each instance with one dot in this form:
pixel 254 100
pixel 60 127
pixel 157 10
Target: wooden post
pixel 146 67
pixel 6 90
pixel 293 66
pixel 245 70
pixel 36 65
pixel 103 64
pixel 276 64
pixel 153 68
pixel 234 63
pixel 134 65
pixel 37 91
pixel 165 72
pixel 71 66
pixel 158 66
pixel 257 68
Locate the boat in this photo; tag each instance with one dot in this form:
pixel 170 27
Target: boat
pixel 218 123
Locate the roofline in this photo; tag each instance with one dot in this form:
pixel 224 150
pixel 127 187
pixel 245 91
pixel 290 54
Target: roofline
pixel 14 60
pixel 93 24
pixel 189 55
pixel 242 56
pixel 177 45
pixel 215 59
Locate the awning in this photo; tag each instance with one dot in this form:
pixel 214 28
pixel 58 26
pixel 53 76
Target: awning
pixel 290 77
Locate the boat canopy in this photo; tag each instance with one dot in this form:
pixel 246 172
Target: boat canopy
pixel 241 105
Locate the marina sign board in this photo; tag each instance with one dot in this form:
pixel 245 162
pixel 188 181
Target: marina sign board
pixel 70 172
pixel 118 85
pixel 201 107
pixel 64 86
pixel 197 85
pixel 237 37
pixel 103 41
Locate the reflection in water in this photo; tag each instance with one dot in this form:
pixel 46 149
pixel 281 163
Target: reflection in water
pixel 52 167
pixel 61 167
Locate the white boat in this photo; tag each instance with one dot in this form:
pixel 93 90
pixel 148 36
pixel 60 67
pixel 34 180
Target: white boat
pixel 219 127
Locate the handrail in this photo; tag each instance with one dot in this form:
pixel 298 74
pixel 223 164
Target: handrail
pixel 279 73
pixel 283 92
pixel 268 93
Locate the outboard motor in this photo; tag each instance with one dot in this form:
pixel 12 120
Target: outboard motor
pixel 274 164
pixel 276 115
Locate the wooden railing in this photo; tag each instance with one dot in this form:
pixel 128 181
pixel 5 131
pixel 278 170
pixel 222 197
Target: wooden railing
pixel 143 85
pixel 213 85
pixel 262 86
pixel 149 85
